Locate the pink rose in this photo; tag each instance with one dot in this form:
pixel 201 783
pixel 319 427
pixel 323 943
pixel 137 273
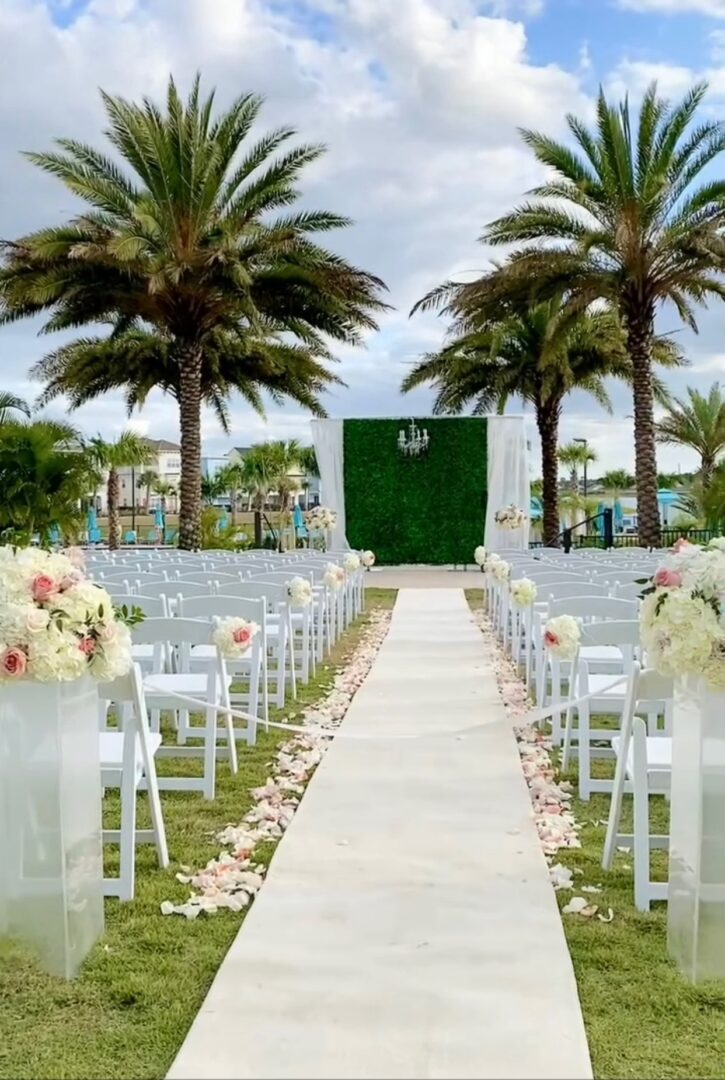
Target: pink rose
pixel 668 579
pixel 87 645
pixel 551 640
pixel 242 636
pixel 43 588
pixel 13 662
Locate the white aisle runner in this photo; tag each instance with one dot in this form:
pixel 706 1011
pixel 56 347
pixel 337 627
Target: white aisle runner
pixel 407 928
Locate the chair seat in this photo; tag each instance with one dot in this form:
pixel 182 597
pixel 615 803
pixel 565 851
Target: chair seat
pixel 600 653
pixel 188 683
pixel 659 754
pixel 142 652
pixel 111 752
pixel 599 686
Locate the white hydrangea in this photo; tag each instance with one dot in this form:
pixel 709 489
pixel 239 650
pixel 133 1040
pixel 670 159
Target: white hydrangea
pixel 523 592
pixel 351 562
pixel 368 559
pixel 334 577
pixel 299 591
pixel 479 555
pixel 562 635
pixel 233 637
pixel 501 570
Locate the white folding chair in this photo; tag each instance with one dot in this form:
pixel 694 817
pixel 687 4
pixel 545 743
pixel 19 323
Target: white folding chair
pixel 644 767
pixel 127 762
pixel 209 688
pixel 250 666
pixel 279 633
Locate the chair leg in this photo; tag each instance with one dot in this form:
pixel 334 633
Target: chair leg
pixel 210 731
pixel 127 877
pixel 585 764
pixel 291 643
pixel 641 816
pixel 615 806
pixel 229 725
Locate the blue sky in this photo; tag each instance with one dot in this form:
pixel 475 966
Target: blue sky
pixel 419 102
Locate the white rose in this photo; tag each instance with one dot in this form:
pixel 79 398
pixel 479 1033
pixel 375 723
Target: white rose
pixel 36 620
pixel 523 592
pixel 368 559
pixel 351 562
pixel 562 636
pixel 479 556
pixel 300 591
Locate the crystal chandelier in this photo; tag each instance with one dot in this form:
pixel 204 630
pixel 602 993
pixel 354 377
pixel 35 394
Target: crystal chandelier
pixel 414 442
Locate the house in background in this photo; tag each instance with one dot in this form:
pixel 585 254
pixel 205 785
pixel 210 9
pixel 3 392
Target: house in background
pixel 307 487
pixel 165 462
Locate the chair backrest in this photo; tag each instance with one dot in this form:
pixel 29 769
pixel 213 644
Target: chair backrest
pixel 175 631
pixel 222 607
pixel 621 577
pixel 545 577
pixel 202 577
pixel 128 690
pixel 560 590
pixel 631 591
pixel 153 607
pixel 610 632
pixel 118 589
pixel 594 607
pixel 272 592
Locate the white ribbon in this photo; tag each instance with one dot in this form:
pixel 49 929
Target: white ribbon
pixel 533 717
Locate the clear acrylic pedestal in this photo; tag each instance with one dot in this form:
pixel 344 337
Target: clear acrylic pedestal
pixel 696 893
pixel 51 862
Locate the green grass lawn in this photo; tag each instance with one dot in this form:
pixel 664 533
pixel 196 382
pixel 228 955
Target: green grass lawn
pixel 127 1013
pixel 643 1020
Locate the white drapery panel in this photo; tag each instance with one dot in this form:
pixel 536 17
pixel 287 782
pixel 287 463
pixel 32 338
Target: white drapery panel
pixel 508 480
pixel 327 441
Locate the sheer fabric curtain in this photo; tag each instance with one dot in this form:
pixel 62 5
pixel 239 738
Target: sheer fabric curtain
pixel 327 441
pixel 508 480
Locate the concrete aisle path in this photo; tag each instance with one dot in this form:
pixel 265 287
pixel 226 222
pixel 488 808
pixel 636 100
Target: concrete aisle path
pixel 407 928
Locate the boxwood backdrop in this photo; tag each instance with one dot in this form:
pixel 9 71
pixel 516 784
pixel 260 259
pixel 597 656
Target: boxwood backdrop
pixel 429 509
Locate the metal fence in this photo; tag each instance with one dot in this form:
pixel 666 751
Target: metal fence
pixel 669 537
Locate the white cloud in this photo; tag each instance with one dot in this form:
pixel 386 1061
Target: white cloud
pixel 714 8
pixel 419 102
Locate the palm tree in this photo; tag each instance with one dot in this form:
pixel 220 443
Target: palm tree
pixel 616 481
pixel 212 488
pixel 231 481
pixel 146 480
pixel 180 236
pixel 575 456
pixel 128 451
pixel 621 217
pixel 538 353
pixel 165 490
pixel 706 503
pixel 45 473
pixel 310 468
pixel 10 403
pixel 698 423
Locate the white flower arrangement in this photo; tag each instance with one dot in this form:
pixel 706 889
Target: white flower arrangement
pixel 56 625
pixel 562 636
pixel 233 637
pixel 510 517
pixel 683 613
pixel 351 562
pixel 320 517
pixel 299 591
pixel 479 556
pixel 334 577
pixel 523 592
pixel 368 559
pixel 499 569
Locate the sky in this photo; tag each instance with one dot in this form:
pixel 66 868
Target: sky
pixel 419 103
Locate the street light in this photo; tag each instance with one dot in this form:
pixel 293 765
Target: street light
pixel 585 444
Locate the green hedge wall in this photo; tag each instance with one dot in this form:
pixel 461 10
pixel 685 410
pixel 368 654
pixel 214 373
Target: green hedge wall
pixel 416 510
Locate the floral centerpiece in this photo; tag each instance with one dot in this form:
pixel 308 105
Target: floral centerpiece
pixel 233 637
pixel 497 567
pixel 368 559
pixel 334 577
pixel 55 624
pixel 479 556
pixel 299 591
pixel 683 613
pixel 351 562
pixel 320 517
pixel 562 635
pixel 510 517
pixel 523 592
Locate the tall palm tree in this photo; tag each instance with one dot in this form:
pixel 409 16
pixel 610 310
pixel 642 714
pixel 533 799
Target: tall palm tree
pixel 616 481
pixel 699 423
pixel 146 480
pixel 575 456
pixel 539 353
pixel 231 481
pixel 165 490
pixel 187 231
pixel 310 468
pixel 11 403
pixel 621 217
pixel 129 450
pixel 45 473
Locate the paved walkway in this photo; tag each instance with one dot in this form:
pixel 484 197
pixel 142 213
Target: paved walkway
pixel 407 928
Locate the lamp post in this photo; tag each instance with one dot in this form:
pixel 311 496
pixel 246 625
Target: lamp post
pixel 133 499
pixel 585 444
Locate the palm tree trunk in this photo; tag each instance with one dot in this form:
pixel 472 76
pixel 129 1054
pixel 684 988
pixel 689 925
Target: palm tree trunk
pixel 639 319
pixel 547 421
pixel 114 521
pixel 233 502
pixel 190 359
pixel 707 468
